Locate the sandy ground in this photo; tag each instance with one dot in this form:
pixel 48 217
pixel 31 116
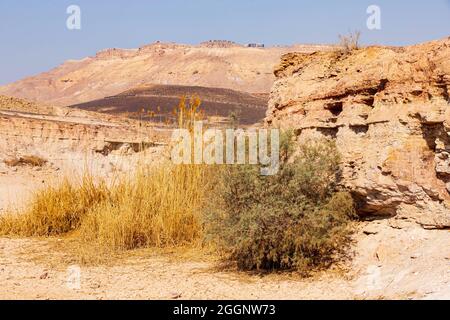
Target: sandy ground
pixel 392 260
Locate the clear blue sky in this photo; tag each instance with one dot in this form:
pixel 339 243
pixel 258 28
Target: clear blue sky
pixel 34 37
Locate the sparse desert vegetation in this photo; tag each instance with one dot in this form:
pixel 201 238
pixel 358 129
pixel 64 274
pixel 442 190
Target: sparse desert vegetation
pixel 33 161
pixel 293 220
pixel 350 41
pixel 359 208
pixel 159 102
pixel 155 206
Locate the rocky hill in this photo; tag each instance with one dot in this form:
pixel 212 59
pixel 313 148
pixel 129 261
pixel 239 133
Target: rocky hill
pixel 388 111
pixel 159 101
pixel 112 71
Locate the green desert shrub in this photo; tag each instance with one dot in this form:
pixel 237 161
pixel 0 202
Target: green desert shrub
pixel 293 220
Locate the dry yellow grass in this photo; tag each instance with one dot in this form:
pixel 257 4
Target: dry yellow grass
pixel 33 161
pixel 55 210
pixel 155 207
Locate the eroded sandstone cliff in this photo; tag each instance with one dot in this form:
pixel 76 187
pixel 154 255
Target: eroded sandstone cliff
pixel 62 135
pixel 388 111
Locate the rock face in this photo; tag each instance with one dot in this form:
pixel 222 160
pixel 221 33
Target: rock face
pixel 388 111
pixel 53 139
pixel 58 134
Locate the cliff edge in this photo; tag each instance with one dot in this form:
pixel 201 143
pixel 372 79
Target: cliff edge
pixel 388 109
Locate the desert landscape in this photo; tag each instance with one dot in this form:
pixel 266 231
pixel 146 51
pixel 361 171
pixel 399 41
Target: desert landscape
pixel 98 121
pixel 254 152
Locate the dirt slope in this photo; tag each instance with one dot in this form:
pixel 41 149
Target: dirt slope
pixel 160 100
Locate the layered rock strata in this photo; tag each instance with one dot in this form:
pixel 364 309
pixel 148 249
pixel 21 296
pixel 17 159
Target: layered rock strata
pixel 388 111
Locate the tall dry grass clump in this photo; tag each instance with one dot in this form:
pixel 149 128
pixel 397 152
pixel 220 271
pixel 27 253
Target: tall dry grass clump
pixel 298 219
pixel 350 42
pixel 158 207
pixel 155 206
pixel 56 210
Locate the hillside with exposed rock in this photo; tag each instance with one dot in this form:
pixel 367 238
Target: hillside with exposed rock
pixel 63 135
pixel 388 110
pixel 212 64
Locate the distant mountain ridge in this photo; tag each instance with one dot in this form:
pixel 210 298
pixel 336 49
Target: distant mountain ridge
pixel 112 71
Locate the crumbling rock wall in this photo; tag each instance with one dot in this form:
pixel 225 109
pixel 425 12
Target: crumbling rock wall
pixel 55 140
pixel 388 111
